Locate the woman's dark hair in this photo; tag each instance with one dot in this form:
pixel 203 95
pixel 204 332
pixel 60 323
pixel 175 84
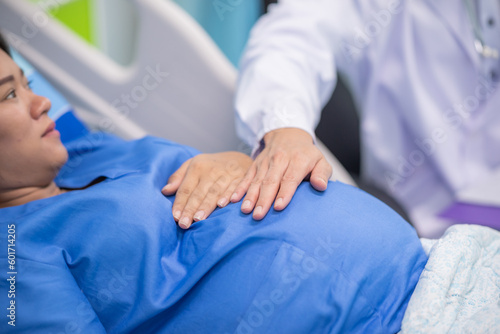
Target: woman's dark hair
pixel 3 45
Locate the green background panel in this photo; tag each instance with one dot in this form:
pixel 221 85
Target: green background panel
pixel 74 14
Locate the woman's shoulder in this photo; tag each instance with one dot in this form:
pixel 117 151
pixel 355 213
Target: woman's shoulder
pixel 96 141
pixel 98 154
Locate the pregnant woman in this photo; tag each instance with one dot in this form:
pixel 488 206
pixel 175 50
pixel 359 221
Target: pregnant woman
pixel 97 250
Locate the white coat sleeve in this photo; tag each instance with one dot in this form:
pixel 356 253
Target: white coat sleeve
pixel 288 71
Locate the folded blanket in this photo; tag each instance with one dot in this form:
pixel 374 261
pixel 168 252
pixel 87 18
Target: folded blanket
pixel 459 289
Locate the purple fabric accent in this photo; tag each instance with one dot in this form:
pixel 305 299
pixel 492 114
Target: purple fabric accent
pixel 473 214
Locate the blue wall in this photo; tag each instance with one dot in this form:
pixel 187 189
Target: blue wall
pixel 227 21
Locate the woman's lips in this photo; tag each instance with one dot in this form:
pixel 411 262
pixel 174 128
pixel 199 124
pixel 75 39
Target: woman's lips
pixel 50 129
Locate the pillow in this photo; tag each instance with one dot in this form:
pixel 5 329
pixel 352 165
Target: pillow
pixel 67 123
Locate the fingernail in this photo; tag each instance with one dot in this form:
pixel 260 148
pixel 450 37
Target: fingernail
pixel 222 202
pixel 257 211
pixel 184 223
pixel 166 187
pixel 234 197
pixel 199 215
pixel 279 203
pixel 177 215
pixel 247 205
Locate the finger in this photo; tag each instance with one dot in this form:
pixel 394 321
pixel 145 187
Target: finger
pixel 320 175
pixel 269 188
pixel 185 222
pixel 196 198
pixel 210 201
pixel 185 191
pixel 206 190
pixel 225 198
pixel 294 175
pixel 175 179
pixel 243 186
pixel 254 189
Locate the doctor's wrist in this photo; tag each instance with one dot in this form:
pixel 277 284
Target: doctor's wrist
pixel 285 134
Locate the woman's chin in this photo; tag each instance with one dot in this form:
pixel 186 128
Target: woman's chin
pixel 58 156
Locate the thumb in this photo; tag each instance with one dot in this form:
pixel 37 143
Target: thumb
pixel 320 175
pixel 175 179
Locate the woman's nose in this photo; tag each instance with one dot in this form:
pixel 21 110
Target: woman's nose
pixel 39 106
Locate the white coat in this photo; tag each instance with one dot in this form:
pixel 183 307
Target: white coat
pixel 429 108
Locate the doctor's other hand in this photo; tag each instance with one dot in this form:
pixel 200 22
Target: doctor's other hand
pixel 288 158
pixel 204 182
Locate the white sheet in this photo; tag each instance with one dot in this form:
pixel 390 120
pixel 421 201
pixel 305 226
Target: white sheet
pixel 459 289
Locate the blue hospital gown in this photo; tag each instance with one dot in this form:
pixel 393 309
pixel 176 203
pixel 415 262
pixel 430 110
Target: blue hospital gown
pixel 110 258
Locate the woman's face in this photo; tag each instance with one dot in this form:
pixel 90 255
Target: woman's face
pixel 31 152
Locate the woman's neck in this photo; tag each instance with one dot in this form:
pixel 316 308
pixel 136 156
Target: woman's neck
pixel 25 195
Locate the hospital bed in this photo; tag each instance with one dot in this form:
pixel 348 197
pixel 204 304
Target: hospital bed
pixel 181 87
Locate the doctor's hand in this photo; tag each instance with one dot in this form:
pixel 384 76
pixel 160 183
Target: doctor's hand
pixel 204 182
pixel 288 158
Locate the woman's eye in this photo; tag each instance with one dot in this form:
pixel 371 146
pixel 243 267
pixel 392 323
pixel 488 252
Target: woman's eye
pixel 12 95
